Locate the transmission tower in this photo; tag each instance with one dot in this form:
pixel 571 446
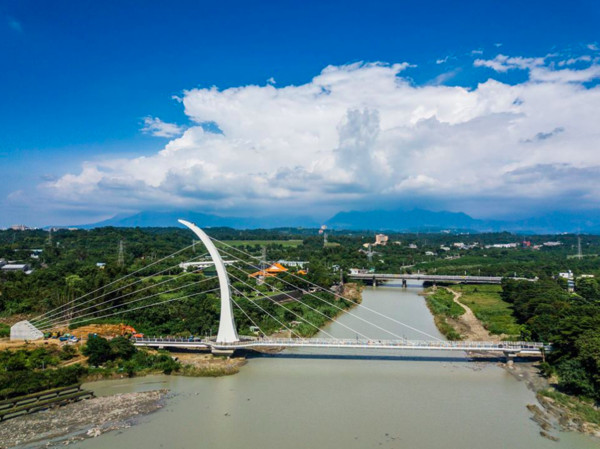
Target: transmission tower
pixel 121 258
pixel 263 259
pixel 579 253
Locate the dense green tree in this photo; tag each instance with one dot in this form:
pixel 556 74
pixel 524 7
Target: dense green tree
pixel 98 350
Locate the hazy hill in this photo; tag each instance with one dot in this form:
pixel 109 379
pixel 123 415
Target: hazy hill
pixel 392 220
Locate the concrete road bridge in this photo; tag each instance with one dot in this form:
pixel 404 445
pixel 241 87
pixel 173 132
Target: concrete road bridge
pixel 378 278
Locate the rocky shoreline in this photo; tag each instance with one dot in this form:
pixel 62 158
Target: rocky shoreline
pixel 549 414
pixel 79 420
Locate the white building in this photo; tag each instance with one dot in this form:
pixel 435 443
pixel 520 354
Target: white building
pixel 200 265
pixel 16 267
pixel 381 239
pixel 552 243
pixel 293 263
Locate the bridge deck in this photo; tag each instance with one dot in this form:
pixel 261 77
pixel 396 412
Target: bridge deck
pixel 431 278
pixel 531 348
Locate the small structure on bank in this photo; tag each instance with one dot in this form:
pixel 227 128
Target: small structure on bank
pixel 24 330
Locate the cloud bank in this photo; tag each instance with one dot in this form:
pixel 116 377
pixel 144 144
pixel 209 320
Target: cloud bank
pixel 361 134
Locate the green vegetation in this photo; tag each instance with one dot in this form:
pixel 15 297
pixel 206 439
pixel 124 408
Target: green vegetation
pixel 4 330
pixel 441 303
pixel 442 306
pixel 570 322
pixel 486 303
pixel 208 371
pixel 66 269
pixel 29 371
pixel 119 355
pixel 582 408
pixel 282 243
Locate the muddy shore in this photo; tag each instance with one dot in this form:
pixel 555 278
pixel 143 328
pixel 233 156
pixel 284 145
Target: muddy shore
pixel 80 420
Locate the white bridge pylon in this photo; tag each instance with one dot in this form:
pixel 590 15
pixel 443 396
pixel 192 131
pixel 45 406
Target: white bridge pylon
pixel 227 332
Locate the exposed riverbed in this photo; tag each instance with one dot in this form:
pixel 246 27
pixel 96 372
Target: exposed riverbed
pixel 295 400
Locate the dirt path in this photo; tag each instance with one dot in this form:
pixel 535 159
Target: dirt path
pixel 468 325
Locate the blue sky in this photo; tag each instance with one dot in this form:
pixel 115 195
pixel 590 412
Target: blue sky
pixel 88 89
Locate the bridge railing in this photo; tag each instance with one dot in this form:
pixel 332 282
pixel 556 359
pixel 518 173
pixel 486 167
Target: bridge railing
pixel 473 345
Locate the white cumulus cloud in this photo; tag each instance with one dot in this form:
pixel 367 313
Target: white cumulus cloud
pixel 360 134
pixel 158 128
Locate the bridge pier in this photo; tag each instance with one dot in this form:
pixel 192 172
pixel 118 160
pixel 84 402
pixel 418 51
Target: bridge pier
pixel 510 358
pixel 404 283
pixel 227 352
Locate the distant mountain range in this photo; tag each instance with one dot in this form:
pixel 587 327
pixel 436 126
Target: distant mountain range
pixel 376 220
pixel 428 221
pixel 169 219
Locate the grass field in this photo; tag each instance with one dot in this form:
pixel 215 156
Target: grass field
pixel 287 243
pixel 487 305
pixel 442 306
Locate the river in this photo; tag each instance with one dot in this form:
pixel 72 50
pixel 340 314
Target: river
pixel 353 401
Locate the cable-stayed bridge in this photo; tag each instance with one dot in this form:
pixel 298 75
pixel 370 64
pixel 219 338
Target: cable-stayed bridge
pixel 513 348
pixel 110 300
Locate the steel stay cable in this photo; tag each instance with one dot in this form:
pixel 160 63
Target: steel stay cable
pixel 49 322
pixel 66 321
pixel 292 311
pixel 347 299
pixel 147 305
pixel 254 303
pixel 45 321
pixel 247 316
pixel 280 305
pixel 337 307
pixel 116 280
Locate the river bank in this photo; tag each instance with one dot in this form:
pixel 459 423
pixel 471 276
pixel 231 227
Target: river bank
pixel 556 411
pixel 80 420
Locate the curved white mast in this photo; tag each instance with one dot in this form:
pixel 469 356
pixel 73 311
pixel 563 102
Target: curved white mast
pixel 227 332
